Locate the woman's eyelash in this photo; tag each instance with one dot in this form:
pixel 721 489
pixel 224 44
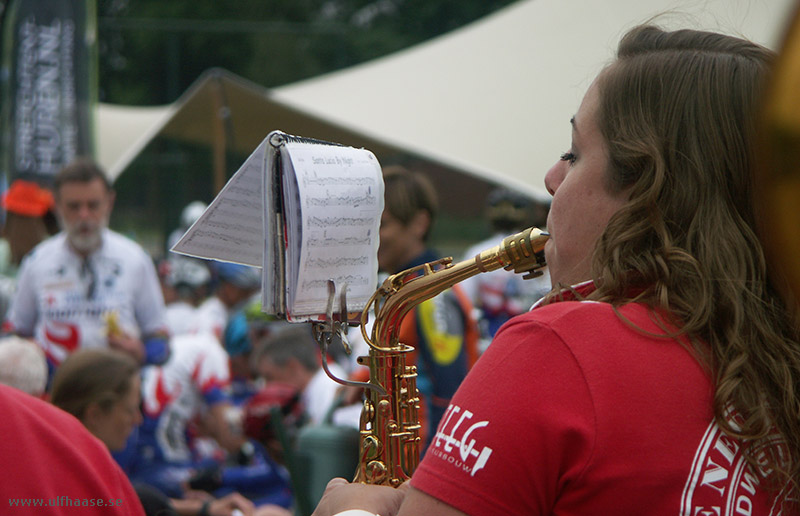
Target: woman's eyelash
pixel 569 156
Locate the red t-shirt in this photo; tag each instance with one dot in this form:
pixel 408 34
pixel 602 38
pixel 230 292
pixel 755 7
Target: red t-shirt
pixel 572 411
pixel 52 465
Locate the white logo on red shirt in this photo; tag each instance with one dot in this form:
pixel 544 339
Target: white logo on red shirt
pixel 721 481
pixel 454 442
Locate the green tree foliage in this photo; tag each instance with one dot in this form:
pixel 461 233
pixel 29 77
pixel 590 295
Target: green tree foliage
pixel 152 50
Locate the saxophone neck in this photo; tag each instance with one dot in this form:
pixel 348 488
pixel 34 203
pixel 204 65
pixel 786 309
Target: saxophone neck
pixel 523 253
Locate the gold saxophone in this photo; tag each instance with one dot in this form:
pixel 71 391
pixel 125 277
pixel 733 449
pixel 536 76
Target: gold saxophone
pixel 389 442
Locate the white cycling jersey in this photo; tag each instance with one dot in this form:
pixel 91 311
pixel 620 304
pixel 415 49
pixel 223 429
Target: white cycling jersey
pixel 66 302
pixel 195 377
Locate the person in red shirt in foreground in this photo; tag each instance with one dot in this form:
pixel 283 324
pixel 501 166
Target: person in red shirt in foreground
pixel 659 376
pixel 53 465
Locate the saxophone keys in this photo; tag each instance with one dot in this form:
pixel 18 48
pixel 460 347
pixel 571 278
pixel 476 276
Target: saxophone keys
pixel 376 472
pixel 370 447
pixel 385 408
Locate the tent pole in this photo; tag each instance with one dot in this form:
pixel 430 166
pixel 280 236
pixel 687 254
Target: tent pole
pixel 218 148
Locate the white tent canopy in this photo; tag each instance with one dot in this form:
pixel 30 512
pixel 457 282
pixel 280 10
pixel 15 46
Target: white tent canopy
pixel 495 97
pixel 123 131
pixel 491 100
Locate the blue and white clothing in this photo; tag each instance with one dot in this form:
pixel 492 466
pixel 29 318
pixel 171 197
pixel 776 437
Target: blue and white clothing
pixel 174 395
pixel 195 377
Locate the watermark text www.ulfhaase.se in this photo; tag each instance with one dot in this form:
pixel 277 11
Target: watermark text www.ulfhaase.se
pixel 64 501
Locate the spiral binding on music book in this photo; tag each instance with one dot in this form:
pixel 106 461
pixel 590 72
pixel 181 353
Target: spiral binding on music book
pixel 279 138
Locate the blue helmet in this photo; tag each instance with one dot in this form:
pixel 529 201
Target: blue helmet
pixel 242 276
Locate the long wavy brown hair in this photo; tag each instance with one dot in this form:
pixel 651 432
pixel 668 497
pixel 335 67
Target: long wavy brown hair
pixel 678 112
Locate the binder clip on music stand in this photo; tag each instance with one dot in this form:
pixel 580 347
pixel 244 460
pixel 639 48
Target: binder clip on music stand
pixel 337 324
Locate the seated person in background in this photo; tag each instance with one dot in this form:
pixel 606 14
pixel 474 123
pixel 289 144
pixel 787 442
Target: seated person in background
pixel 187 429
pixel 246 326
pixel 100 387
pixel 257 416
pixel 23 365
pixel 292 357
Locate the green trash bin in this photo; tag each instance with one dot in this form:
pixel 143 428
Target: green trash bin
pixel 323 452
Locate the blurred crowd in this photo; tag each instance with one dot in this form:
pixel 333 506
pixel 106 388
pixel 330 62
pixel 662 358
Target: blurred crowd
pixel 207 404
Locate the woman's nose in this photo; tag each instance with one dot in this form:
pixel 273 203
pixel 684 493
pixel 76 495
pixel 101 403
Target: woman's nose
pixel 554 177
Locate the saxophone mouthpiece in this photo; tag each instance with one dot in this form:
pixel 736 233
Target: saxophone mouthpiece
pixel 524 252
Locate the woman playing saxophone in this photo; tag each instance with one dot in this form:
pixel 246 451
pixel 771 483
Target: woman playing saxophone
pixel 660 376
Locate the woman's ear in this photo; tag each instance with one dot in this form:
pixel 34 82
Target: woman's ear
pixel 420 224
pixel 92 416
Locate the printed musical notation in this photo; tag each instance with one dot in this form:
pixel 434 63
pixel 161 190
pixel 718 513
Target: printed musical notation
pixel 338 262
pixel 339 242
pixel 314 180
pixel 309 217
pixel 342 200
pixel 335 222
pixel 341 192
pixel 230 229
pixel 348 279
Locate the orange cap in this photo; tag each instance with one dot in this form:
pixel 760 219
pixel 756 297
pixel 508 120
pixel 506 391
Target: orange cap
pixel 27 198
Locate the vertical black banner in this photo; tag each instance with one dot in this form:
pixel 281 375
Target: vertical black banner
pixel 48 81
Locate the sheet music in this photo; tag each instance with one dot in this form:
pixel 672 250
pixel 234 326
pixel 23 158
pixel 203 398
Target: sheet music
pixel 258 219
pixel 232 228
pixel 334 233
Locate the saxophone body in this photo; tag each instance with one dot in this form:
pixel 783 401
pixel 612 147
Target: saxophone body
pixel 389 441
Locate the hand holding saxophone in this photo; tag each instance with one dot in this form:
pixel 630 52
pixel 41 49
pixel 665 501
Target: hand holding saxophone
pixel 340 495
